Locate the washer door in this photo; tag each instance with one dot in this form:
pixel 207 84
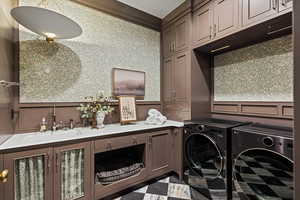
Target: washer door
pixel 203 156
pixel 263 174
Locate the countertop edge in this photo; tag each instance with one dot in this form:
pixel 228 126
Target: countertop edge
pixel 13 143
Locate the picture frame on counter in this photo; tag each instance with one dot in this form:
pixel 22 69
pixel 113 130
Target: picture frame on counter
pixel 129 83
pixel 127 105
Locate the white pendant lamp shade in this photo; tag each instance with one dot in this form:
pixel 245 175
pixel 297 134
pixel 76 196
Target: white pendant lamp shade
pixel 45 22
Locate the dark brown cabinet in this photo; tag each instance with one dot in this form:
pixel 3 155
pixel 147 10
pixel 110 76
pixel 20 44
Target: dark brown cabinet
pixel 181 28
pixel 202 25
pixel 68 171
pixel 215 20
pixel 159 152
pixel 176 70
pixel 72 172
pixel 180 76
pixel 176 37
pixel 177 154
pixel 257 10
pixel 37 174
pixel 2 179
pixel 226 14
pixel 168 41
pixel 168 80
pixel 30 175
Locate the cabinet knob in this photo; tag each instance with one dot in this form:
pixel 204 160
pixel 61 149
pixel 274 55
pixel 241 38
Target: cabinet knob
pixel 3 176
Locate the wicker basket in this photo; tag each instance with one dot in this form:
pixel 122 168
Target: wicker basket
pixel 109 177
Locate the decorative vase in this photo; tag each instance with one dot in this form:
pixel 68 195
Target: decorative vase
pixel 100 119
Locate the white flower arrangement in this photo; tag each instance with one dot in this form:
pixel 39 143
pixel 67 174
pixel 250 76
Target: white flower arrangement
pixel 94 104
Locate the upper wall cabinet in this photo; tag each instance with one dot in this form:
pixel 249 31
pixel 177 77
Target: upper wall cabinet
pixel 226 18
pixel 176 37
pixel 202 25
pixel 257 10
pixel 182 34
pixel 168 41
pixel 214 20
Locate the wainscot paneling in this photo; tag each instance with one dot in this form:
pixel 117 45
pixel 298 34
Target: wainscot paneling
pixel 29 118
pixel 281 110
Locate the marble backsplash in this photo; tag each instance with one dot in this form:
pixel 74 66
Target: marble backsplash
pixel 69 70
pixel 261 72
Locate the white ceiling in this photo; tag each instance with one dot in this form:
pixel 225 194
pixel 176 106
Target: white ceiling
pixel 158 8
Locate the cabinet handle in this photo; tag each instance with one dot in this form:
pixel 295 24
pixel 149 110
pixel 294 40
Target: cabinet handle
pixel 56 162
pixel 215 30
pixel 174 47
pixel 47 163
pixel 4 176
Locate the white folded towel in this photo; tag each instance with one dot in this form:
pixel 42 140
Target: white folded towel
pixel 155 117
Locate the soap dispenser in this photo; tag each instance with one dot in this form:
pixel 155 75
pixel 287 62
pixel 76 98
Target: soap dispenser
pixel 43 125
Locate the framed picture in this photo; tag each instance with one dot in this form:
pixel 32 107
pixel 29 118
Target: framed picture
pixel 128 82
pixel 127 109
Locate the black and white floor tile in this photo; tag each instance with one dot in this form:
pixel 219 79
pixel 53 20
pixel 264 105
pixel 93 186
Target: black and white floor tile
pixel 167 188
pixel 260 179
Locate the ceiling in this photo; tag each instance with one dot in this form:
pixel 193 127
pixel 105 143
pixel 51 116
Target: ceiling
pixel 158 8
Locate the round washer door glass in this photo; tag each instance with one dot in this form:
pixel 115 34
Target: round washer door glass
pixel 203 156
pixel 263 174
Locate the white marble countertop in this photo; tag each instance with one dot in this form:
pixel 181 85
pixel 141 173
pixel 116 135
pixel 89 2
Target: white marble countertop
pixel 41 138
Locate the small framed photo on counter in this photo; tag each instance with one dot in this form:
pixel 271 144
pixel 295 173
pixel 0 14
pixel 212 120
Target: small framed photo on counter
pixel 128 112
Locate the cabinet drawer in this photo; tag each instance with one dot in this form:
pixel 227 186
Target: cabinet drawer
pixel 103 145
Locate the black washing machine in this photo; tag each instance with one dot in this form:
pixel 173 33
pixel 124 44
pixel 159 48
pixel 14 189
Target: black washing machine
pixel 263 162
pixel 207 146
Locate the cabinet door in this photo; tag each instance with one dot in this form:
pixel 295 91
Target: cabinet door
pixel 168 80
pixel 202 25
pixel 182 34
pixel 258 10
pixel 30 175
pixel 285 4
pixel 72 172
pixel 226 17
pixel 181 65
pixel 2 182
pixel 168 41
pixel 177 150
pixel 160 145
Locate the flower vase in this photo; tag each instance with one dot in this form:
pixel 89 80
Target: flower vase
pixel 100 119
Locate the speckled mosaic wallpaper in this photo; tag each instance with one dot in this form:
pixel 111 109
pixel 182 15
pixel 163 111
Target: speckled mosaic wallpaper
pixel 69 70
pixel 262 72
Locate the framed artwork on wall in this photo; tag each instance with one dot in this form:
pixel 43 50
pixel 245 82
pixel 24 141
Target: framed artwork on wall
pixel 128 112
pixel 129 82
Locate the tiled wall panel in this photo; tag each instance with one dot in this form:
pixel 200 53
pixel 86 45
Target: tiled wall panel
pixel 262 72
pixel 69 70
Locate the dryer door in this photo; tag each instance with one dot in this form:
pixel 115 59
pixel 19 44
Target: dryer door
pixel 263 174
pixel 203 156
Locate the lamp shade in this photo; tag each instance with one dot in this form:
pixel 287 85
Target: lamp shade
pixel 46 22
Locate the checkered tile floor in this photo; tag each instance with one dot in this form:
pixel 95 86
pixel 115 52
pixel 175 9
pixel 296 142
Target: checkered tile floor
pixel 259 177
pixel 168 188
